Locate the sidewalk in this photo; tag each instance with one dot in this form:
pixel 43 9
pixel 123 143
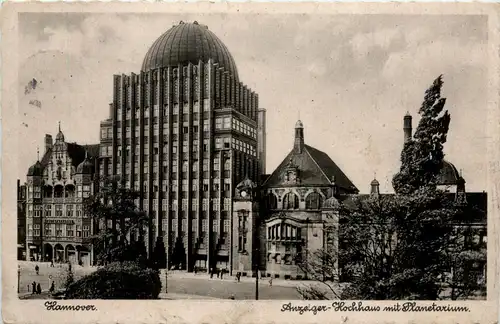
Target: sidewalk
pixel 174 296
pixel 226 277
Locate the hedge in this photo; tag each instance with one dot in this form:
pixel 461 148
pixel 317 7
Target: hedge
pixel 127 280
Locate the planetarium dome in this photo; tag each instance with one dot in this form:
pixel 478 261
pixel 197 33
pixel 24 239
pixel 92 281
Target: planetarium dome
pixel 448 174
pixel 188 43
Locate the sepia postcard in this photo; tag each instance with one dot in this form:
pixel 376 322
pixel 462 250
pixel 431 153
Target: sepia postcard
pixel 250 163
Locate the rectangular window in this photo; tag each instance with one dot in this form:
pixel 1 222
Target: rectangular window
pixel 70 230
pixel 227 123
pixel 59 231
pixel 69 210
pixel 59 211
pixel 218 143
pixel 218 123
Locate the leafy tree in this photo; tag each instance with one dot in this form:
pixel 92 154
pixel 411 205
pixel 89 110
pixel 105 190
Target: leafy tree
pixel 178 254
pixel 426 228
pixel 159 254
pixel 396 246
pixel 114 211
pixel 422 156
pixel 70 278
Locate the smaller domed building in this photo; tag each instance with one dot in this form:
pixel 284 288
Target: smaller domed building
pixel 57 228
pixel 280 224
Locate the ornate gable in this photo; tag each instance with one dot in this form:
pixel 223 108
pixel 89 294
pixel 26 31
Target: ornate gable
pixel 291 174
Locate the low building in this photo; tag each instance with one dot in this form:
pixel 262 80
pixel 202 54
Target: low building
pixel 280 223
pixel 57 227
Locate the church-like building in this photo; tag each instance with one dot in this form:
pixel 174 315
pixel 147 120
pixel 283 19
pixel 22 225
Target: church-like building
pixel 282 221
pixel 189 136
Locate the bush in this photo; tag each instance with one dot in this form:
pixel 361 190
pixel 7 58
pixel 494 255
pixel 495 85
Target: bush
pixel 127 280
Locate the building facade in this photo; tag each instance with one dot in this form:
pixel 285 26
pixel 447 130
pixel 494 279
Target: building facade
pixel 57 228
pixel 189 136
pixel 21 221
pixel 183 132
pixel 295 205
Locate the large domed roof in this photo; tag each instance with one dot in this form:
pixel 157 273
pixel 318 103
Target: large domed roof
pixel 448 175
pixel 188 43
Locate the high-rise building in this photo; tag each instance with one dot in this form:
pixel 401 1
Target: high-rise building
pixel 183 132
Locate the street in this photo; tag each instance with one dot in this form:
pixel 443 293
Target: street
pixel 58 274
pixel 226 288
pixel 178 283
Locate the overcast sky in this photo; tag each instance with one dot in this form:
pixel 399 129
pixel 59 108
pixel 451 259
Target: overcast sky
pixel 350 78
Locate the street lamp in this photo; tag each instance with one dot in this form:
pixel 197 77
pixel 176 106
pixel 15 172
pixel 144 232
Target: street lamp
pixel 256 276
pixel 166 279
pixel 18 278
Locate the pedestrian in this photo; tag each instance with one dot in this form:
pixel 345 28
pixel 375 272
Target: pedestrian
pixel 238 276
pixel 33 288
pixel 38 289
pixel 37 269
pixel 218 273
pixel 52 263
pixel 271 282
pixel 52 287
pixel 195 270
pixel 211 273
pixel 221 274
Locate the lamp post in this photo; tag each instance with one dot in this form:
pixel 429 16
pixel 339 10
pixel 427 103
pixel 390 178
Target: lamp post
pixel 256 282
pixel 166 279
pixel 307 244
pixel 256 261
pixel 18 278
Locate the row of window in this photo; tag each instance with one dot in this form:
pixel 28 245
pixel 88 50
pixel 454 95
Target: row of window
pixel 244 147
pixel 185 165
pixel 283 232
pixel 244 128
pixel 37 210
pixel 204 225
pixel 226 206
pixel 291 201
pixel 156 110
pixel 59 191
pixel 60 231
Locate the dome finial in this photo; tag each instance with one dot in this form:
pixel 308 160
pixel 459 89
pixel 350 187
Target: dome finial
pixel 59 125
pixel 37 153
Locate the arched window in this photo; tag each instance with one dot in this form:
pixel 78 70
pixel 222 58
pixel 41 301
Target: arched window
pixel 313 201
pixel 272 201
pixel 290 201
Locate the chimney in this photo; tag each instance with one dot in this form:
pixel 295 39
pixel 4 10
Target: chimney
pixel 111 111
pixel 299 137
pixel 261 140
pixel 48 142
pixel 375 187
pixel 407 127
